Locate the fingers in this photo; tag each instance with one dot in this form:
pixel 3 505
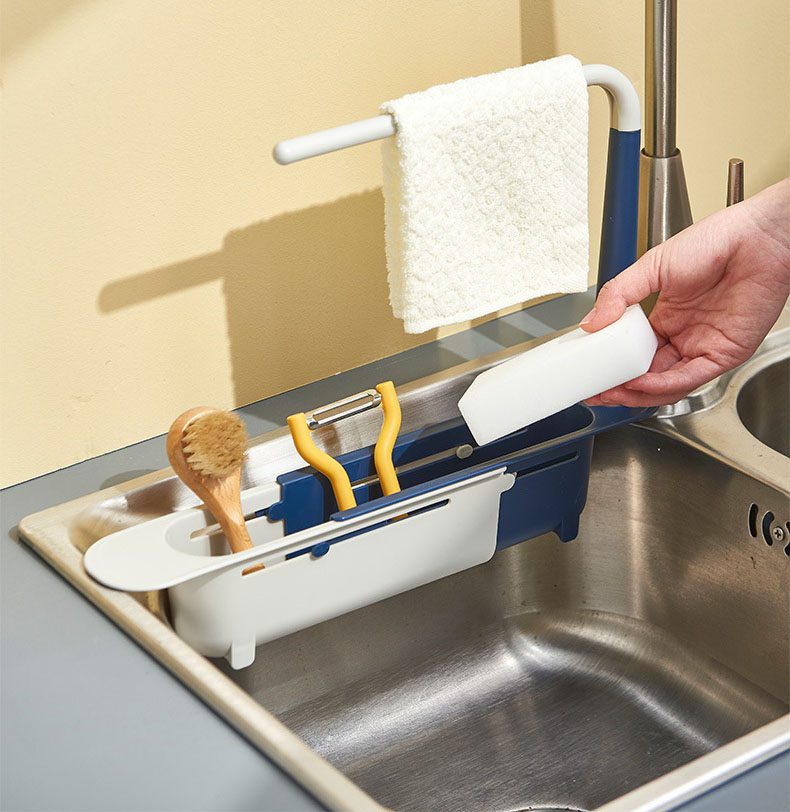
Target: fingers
pixel 628 287
pixel 620 396
pixel 668 381
pixel 666 357
pixel 626 397
pixel 684 376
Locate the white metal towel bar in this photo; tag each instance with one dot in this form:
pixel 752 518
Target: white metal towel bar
pixel 625 116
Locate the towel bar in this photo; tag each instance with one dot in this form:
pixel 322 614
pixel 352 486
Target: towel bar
pixel 625 117
pixel 619 227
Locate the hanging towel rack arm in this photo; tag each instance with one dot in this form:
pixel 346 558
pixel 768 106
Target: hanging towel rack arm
pixel 624 104
pixel 335 138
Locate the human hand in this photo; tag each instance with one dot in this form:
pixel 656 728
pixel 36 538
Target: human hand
pixel 722 284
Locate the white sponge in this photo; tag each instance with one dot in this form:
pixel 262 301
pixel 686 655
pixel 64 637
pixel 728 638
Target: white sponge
pixel 557 374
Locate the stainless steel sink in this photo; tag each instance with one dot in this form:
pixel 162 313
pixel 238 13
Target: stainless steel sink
pixel 556 676
pixel 764 405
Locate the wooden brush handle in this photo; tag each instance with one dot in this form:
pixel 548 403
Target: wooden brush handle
pixel 221 495
pixel 223 498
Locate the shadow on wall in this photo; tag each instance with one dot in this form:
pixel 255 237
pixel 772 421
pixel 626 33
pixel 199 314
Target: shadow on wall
pixel 300 285
pixel 289 281
pixel 25 20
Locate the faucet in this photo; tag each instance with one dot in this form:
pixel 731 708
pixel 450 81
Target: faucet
pixel 664 207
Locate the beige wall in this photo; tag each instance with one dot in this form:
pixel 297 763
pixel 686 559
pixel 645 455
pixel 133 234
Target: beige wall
pixel 733 83
pixel 154 257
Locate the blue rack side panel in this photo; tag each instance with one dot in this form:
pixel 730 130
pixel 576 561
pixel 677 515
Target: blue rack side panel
pixel 550 459
pixel 546 497
pixel 620 205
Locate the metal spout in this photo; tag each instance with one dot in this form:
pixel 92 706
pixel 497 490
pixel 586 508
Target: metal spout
pixel 664 207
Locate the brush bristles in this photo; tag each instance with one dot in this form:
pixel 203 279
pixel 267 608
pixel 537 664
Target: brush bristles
pixel 215 444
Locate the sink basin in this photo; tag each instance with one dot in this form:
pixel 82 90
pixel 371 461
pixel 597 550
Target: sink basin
pixel 764 406
pixel 633 668
pixel 556 675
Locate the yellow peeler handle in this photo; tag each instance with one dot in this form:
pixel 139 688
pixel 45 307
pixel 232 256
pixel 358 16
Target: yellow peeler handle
pixel 382 454
pixel 333 470
pixel 321 461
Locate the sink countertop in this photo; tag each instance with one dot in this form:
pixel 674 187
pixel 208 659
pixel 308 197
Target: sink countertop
pixel 91 721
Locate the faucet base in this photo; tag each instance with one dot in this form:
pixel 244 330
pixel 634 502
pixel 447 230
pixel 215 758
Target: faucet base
pixel 664 207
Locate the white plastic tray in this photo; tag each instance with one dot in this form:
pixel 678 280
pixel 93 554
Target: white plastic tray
pixel 221 612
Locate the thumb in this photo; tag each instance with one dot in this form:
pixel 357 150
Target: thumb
pixel 628 287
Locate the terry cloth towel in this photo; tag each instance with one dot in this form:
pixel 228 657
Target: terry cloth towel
pixel 485 190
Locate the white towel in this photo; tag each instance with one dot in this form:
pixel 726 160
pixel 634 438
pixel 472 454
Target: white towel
pixel 485 190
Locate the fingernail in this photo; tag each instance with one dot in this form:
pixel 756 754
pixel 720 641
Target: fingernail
pixel 588 318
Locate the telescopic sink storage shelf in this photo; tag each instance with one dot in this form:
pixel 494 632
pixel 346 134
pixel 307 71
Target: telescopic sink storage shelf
pixel 459 503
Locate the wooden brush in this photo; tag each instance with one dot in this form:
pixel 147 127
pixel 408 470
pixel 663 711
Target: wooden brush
pixel 206 448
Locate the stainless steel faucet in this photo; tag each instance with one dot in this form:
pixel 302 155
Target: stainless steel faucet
pixel 663 196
